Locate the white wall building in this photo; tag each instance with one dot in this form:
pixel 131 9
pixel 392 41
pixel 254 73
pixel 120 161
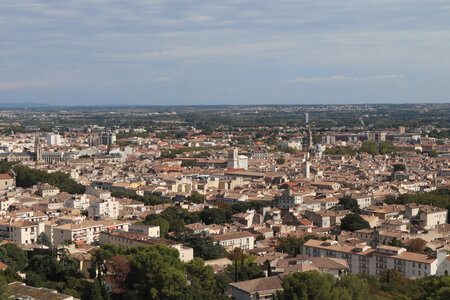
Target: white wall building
pixel 364 259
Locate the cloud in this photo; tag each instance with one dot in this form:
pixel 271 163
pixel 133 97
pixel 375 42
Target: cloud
pixel 346 78
pixel 21 84
pixel 391 76
pixel 162 79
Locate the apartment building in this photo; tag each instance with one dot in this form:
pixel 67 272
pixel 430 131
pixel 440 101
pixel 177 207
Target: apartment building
pixel 80 202
pixel 47 190
pixel 107 207
pixel 148 230
pixel 243 239
pixel 131 239
pixel 289 200
pixel 85 232
pixel 363 259
pixel 426 216
pixel 22 232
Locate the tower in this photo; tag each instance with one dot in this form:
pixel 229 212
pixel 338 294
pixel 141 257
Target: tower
pixel 232 162
pixel 38 147
pixel 310 140
pixel 307 118
pixel 307 169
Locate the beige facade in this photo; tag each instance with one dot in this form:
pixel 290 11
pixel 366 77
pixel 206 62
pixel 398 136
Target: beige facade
pixel 24 232
pixel 86 232
pixel 109 208
pixel 129 239
pixel 148 230
pixel 7 181
pixel 363 259
pixel 244 240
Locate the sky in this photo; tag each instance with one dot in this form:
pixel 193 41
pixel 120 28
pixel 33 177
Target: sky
pixel 151 52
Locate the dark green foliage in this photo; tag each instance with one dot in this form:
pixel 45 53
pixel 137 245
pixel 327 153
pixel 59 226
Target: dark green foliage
pixel 432 153
pixel 353 222
pixel 196 198
pixel 439 198
pixel 280 160
pixel 386 147
pixel 310 285
pixel 189 163
pixel 291 245
pixel 43 239
pixel 204 245
pixel 399 167
pixel 147 200
pixel 27 177
pixel 13 256
pixel 348 203
pixel 294 246
pixel 5 166
pixel 396 243
pixel 347 150
pixel 243 269
pixel 369 147
pixel 216 216
pixel 156 272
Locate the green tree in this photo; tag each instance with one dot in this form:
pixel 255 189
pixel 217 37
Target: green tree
pixel 280 160
pixel 155 273
pixel 396 243
pixel 291 245
pixel 216 215
pixel 43 239
pixel 386 147
pixel 359 288
pixel 399 167
pixel 13 256
pixel 196 197
pixel 347 202
pixel 369 147
pixel 284 186
pixel 204 245
pixel 163 225
pixel 306 286
pixel 354 222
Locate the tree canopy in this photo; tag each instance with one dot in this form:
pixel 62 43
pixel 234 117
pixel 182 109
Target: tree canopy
pixel 353 222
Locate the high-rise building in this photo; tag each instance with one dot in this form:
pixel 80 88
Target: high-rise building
pixel 307 118
pixel 53 139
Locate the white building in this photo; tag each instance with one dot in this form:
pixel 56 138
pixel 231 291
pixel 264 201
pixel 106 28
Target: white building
pixel 85 232
pixel 107 207
pixel 147 230
pixel 53 139
pixel 364 259
pixel 236 161
pixel 24 232
pixel 80 202
pixel 425 215
pixel 243 239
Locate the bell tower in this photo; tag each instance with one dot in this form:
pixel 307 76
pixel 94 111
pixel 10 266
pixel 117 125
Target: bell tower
pixel 38 147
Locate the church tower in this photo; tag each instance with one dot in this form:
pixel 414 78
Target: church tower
pixel 38 147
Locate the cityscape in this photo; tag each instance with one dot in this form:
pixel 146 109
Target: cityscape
pixel 94 198
pixel 224 150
